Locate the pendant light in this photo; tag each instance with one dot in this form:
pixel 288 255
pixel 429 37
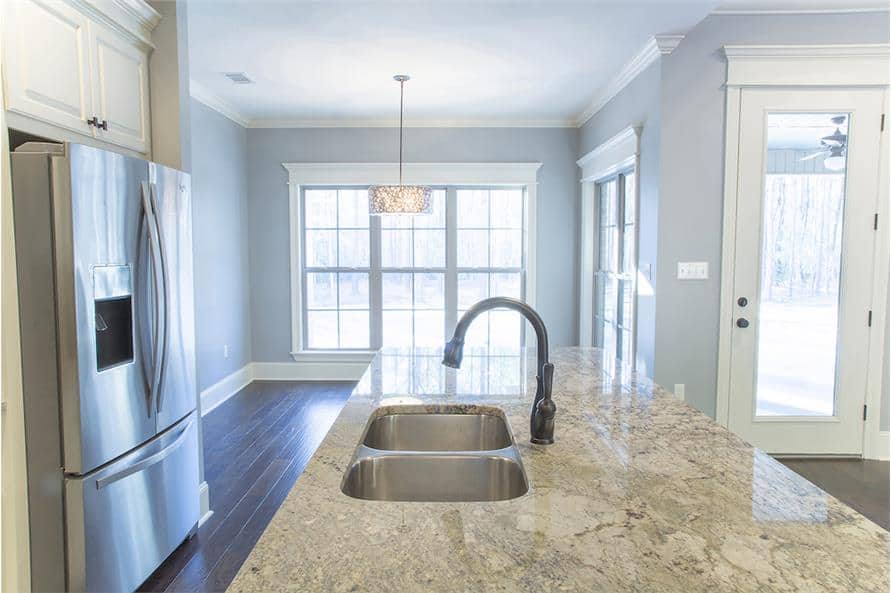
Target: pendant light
pixel 399 199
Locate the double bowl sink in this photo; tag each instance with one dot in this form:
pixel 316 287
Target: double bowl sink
pixel 411 454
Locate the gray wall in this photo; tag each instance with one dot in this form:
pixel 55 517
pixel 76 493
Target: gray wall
pixel 220 227
pixel 638 105
pixel 692 167
pixel 267 149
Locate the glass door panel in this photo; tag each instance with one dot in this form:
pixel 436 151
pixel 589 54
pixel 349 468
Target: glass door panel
pixel 801 240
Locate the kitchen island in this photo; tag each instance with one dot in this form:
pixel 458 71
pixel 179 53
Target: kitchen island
pixel 640 492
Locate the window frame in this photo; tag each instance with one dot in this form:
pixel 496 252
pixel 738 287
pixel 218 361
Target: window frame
pixel 452 176
pixel 618 275
pixel 618 154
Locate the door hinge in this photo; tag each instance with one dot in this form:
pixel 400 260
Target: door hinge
pixel 875 221
pixel 864 411
pixel 882 125
pixel 869 319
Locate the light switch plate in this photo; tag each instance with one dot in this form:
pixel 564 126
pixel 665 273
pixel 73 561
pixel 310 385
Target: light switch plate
pixel 692 270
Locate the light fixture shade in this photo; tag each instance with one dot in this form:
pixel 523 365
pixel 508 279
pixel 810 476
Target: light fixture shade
pixel 399 199
pixel 834 162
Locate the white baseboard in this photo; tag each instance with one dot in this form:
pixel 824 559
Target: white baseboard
pixel 877 447
pixel 316 368
pixel 309 371
pixel 225 388
pixel 204 503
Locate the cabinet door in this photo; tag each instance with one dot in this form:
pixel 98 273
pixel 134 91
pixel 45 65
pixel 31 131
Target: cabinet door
pixel 120 89
pixel 47 63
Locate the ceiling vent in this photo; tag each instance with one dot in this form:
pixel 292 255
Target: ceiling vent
pixel 238 77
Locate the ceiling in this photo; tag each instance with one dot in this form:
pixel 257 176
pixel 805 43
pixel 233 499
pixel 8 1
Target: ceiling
pixel 472 62
pixel 528 61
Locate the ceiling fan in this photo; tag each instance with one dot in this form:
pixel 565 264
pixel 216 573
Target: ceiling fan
pixel 834 146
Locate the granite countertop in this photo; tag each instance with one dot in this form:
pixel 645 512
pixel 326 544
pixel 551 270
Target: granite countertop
pixel 640 492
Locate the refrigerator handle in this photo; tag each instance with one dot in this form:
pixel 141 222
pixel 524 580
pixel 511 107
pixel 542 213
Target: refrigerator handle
pixel 148 461
pixel 157 271
pixel 165 308
pixel 140 298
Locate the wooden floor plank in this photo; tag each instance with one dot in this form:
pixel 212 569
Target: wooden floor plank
pixel 256 444
pixel 859 483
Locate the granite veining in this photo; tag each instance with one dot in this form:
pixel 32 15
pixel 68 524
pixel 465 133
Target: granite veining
pixel 640 492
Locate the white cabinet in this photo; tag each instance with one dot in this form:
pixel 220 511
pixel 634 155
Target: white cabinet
pixel 47 63
pixel 66 69
pixel 120 89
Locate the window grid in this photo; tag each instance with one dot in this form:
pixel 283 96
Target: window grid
pixel 375 270
pixel 614 282
pixel 337 271
pixel 490 271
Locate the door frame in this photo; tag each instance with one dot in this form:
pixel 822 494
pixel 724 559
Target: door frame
pixel 802 67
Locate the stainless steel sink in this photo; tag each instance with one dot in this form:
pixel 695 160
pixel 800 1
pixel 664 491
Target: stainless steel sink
pixel 410 454
pixel 435 478
pixel 438 432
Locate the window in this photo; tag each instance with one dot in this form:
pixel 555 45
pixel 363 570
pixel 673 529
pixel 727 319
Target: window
pixel 615 275
pixel 397 281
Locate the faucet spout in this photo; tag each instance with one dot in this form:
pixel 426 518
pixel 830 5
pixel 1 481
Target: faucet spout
pixel 541 420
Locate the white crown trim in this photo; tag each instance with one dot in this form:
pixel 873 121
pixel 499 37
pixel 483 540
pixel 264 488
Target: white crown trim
pixel 794 11
pixel 381 123
pixel 654 48
pixel 201 93
pixel 135 19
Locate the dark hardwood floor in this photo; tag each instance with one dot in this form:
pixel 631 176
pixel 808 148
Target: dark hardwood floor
pixel 861 484
pixel 256 445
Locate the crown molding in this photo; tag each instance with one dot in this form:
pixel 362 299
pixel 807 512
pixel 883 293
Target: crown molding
pixel 795 11
pixel 655 47
pixel 379 123
pixel 134 19
pixel 202 94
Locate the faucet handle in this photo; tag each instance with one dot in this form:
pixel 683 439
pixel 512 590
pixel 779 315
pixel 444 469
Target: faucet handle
pixel 547 379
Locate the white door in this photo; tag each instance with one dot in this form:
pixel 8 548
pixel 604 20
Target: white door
pixel 48 66
pixel 803 271
pixel 120 89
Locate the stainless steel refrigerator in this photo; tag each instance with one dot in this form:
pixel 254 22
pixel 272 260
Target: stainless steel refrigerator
pixel 104 252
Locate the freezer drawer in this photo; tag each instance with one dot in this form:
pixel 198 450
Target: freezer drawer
pixel 125 519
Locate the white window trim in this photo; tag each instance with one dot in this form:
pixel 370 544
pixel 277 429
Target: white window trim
pixel 620 152
pixel 791 66
pixel 302 175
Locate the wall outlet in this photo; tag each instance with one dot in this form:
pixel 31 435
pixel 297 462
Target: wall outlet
pixel 692 270
pixel 679 391
pixel 225 350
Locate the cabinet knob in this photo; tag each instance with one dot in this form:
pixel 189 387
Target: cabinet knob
pixel 103 125
pixel 93 122
pixel 742 301
pixel 742 322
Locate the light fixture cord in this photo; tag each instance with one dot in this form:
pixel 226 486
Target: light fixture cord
pixel 401 94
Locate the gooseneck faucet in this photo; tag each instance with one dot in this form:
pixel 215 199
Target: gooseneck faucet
pixel 541 420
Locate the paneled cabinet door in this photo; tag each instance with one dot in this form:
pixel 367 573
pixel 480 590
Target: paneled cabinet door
pixel 47 63
pixel 119 89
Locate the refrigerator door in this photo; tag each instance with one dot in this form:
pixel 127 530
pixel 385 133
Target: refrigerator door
pixel 105 305
pixel 171 199
pixel 124 520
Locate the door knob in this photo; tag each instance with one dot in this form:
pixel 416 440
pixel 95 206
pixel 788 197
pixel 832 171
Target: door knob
pixel 742 301
pixel 742 322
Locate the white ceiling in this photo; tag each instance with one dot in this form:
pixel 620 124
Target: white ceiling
pixel 479 61
pixel 476 62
